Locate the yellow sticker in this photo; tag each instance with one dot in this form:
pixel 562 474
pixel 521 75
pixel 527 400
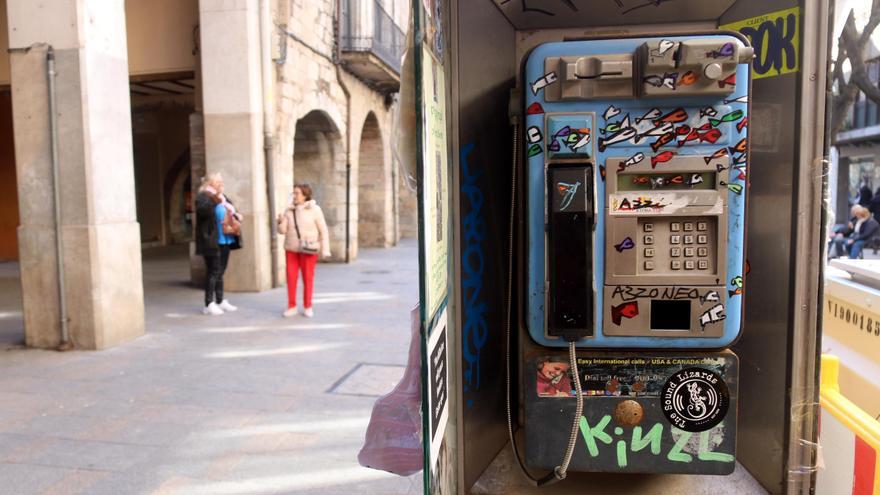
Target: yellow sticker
pixel 775 39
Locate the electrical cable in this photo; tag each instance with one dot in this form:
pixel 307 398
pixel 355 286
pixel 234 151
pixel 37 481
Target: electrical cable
pixel 559 473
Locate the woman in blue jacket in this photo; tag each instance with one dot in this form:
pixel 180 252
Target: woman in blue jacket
pixel 217 233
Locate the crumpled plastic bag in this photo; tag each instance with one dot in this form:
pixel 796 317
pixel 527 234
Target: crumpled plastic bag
pixel 393 441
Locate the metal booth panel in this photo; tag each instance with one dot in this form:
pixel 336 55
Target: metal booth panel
pixel 549 14
pixel 483 73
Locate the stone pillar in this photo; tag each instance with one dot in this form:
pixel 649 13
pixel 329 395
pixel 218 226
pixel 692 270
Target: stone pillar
pixel 101 258
pixel 232 108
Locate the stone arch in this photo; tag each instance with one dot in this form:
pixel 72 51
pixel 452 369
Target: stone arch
pixel 319 160
pixel 374 208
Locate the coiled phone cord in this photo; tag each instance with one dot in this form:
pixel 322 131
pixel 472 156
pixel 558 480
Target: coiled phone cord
pixel 560 472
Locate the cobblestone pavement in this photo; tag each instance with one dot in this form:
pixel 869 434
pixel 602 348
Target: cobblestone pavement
pixel 243 403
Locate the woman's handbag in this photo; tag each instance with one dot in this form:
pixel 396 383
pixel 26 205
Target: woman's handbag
pixel 307 247
pixel 231 225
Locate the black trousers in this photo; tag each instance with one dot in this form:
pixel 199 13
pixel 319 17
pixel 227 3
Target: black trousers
pixel 215 267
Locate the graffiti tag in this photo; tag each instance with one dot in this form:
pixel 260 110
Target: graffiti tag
pixel 475 328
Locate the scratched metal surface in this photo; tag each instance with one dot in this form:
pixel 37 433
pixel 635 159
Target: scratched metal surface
pixel 546 14
pixel 764 348
pixel 482 78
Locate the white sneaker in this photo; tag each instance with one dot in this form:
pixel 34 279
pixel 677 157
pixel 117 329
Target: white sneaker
pixel 308 313
pixel 291 312
pixel 225 306
pixel 212 309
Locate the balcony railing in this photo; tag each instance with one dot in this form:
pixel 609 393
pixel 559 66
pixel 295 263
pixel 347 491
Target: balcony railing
pixel 368 29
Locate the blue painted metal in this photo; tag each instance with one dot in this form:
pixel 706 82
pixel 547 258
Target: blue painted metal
pixel 535 280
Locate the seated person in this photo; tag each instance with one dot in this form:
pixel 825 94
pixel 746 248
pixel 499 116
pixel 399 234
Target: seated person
pixel 841 231
pixel 864 229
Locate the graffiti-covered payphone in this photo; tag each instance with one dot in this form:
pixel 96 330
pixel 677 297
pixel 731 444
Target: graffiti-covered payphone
pixel 636 173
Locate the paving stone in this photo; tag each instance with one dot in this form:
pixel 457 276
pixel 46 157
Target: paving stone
pixel 24 479
pixel 232 404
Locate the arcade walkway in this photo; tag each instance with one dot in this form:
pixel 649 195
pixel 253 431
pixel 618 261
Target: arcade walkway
pixel 244 403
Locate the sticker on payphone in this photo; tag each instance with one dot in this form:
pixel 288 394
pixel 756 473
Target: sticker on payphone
pixel 661 127
pixel 663 413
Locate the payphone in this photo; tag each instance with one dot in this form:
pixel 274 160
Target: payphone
pixel 636 161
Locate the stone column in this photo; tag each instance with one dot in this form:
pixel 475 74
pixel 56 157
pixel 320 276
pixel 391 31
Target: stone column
pixel 232 107
pixel 101 257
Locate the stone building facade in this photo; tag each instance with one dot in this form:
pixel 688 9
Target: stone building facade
pixel 154 94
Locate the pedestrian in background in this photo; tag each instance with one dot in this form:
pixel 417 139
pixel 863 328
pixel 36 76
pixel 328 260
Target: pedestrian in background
pixel 305 237
pixel 865 194
pixel 218 231
pixel 865 229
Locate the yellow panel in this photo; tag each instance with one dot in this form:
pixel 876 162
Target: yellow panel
pixel 775 39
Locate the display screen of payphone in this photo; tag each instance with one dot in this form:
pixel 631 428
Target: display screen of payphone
pixel 571 253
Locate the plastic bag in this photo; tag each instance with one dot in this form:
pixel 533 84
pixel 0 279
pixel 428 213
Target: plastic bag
pixel 393 441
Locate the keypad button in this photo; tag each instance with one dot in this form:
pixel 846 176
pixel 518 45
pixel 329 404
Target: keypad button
pixel 688 251
pixel 702 226
pixel 675 226
pixel 688 226
pixel 688 239
pixel 702 239
pixel 689 265
pixel 649 227
pixel 649 252
pixel 675 252
pixel 676 265
pixel 649 265
pixel 675 239
pixel 703 264
pixel 649 239
pixel 703 252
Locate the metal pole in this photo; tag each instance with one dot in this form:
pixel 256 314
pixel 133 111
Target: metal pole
pixel 337 55
pixel 269 128
pixel 808 238
pixel 56 189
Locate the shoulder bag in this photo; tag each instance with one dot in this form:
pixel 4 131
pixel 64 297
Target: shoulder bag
pixel 307 247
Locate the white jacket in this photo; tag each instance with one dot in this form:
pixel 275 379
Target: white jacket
pixel 312 227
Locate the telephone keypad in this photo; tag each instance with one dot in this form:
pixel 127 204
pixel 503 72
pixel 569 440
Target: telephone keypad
pixel 683 245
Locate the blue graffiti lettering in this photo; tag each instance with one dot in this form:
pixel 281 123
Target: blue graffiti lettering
pixel 475 328
pixel 774 44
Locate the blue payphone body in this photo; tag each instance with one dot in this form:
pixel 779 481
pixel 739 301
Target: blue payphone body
pixel 636 178
pixel 636 169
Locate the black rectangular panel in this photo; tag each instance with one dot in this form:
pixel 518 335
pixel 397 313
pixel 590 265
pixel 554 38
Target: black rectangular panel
pixel 570 252
pixel 670 315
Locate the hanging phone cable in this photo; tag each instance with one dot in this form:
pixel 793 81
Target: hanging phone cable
pixel 560 472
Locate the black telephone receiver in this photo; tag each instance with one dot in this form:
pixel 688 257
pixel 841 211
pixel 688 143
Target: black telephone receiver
pixel 570 250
